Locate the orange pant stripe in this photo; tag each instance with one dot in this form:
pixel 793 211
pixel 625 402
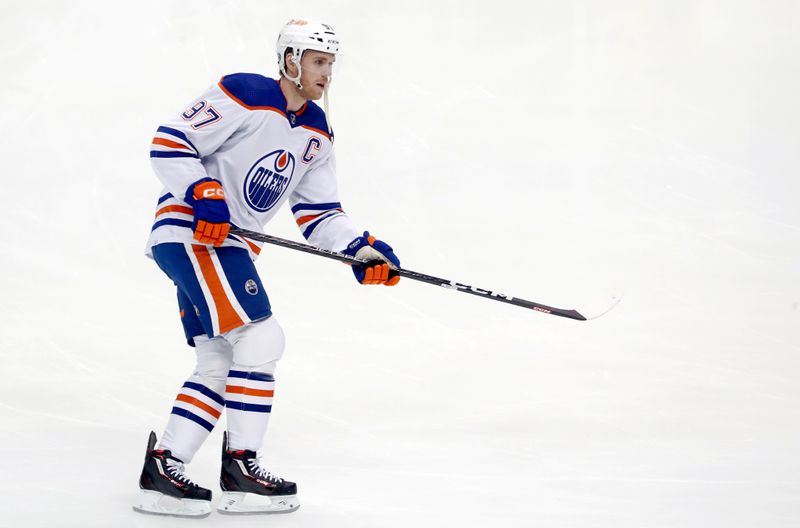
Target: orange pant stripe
pixel 226 315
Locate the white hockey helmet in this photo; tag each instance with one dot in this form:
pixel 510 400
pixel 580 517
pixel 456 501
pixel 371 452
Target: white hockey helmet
pixel 298 36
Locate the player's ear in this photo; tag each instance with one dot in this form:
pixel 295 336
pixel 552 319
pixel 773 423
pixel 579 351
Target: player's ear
pixel 291 67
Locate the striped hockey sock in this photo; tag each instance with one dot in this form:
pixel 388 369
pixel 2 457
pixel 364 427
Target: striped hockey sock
pixel 248 402
pixel 194 414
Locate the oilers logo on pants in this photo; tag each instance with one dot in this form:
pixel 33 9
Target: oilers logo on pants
pixel 218 288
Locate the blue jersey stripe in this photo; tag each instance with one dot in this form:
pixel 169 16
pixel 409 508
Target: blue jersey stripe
pixel 160 154
pixel 165 198
pixel 178 134
pixel 315 223
pixel 193 417
pixel 173 222
pixel 316 207
pixel 258 376
pixel 239 406
pixel 205 391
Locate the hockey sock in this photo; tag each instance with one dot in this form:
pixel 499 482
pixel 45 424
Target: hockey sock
pixel 194 415
pixel 248 402
pixel 200 401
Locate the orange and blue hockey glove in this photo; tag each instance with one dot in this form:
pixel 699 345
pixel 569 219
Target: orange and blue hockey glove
pixel 382 264
pixel 211 214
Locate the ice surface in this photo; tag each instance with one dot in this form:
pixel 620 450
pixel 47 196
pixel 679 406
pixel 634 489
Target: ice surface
pixel 557 151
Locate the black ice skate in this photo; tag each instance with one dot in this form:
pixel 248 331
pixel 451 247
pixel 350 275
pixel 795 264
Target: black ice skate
pixel 165 488
pixel 249 488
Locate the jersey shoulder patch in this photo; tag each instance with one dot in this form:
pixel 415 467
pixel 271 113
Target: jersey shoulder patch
pixel 254 91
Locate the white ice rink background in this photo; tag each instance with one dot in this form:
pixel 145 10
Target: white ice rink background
pixel 560 151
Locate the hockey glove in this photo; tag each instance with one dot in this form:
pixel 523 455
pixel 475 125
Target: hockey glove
pixel 382 263
pixel 211 215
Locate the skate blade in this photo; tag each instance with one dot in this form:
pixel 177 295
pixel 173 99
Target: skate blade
pixel 156 503
pixel 238 503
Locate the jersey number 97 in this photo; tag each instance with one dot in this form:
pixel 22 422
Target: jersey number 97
pixel 193 112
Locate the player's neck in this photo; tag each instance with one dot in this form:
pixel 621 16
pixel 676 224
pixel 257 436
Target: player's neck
pixel 294 100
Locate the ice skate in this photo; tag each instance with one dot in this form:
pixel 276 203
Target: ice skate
pixel 249 488
pixel 165 488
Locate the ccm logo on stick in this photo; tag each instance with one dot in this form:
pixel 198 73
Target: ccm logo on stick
pixel 458 286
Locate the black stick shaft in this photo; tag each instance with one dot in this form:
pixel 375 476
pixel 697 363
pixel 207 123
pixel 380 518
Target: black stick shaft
pixel 421 277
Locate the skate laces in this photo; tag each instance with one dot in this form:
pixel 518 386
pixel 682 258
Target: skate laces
pixel 178 471
pixel 261 472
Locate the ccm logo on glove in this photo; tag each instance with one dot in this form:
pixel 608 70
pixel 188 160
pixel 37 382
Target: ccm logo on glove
pixel 208 190
pixel 213 193
pixel 211 215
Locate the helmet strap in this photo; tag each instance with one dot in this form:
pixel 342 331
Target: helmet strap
pixel 297 53
pixel 325 104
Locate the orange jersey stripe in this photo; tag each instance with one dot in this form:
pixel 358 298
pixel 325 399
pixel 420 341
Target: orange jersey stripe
pixel 197 403
pixel 247 391
pixel 227 316
pixel 316 130
pixel 168 143
pixel 175 209
pixel 303 219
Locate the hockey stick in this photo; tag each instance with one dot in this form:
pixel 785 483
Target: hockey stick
pixel 421 277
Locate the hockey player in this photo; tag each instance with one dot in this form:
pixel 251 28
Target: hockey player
pixel 232 158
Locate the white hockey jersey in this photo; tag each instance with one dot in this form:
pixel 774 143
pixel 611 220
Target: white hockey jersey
pixel 240 133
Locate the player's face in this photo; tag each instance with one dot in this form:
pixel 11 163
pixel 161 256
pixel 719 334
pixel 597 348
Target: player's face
pixel 316 73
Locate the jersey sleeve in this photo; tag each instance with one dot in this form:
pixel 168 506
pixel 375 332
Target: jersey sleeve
pixel 317 211
pixel 181 143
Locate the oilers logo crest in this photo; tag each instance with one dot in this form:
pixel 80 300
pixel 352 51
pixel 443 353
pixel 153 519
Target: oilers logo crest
pixel 267 180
